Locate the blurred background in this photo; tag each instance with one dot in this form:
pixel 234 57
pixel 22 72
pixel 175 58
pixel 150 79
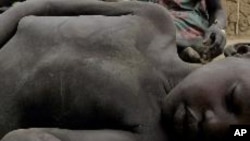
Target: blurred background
pixel 238 12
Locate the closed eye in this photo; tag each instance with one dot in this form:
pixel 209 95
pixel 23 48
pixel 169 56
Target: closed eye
pixel 231 103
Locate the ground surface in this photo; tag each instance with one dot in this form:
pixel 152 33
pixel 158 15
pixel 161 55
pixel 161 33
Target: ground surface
pixel 233 40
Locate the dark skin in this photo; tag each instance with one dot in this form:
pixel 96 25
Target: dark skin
pixel 54 134
pixel 217 24
pixel 214 38
pixel 237 50
pixel 216 12
pixel 216 115
pixel 209 100
pixel 123 135
pixel 5 4
pixel 197 111
pixel 116 40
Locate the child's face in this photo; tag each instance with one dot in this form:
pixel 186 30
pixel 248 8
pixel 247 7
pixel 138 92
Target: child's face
pixel 210 99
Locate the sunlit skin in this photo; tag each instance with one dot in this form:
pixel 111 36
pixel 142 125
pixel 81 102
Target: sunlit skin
pixel 210 99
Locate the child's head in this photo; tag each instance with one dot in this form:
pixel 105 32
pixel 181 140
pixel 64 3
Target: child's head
pixel 209 100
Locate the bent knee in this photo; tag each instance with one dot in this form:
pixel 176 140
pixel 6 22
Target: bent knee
pixel 29 135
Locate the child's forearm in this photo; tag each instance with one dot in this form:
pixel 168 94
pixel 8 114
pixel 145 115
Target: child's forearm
pixel 220 19
pixel 217 15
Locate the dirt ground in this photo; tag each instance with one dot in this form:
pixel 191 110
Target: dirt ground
pixel 233 40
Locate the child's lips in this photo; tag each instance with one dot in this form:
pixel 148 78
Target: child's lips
pixel 179 118
pixel 192 120
pixel 186 120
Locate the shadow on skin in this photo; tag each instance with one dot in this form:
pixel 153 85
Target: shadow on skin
pixel 112 79
pixel 201 107
pixel 210 99
pixel 197 109
pixel 36 134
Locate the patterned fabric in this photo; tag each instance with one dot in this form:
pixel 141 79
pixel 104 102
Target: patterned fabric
pixel 190 17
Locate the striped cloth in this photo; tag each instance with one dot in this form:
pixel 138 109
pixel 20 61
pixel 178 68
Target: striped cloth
pixel 190 18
